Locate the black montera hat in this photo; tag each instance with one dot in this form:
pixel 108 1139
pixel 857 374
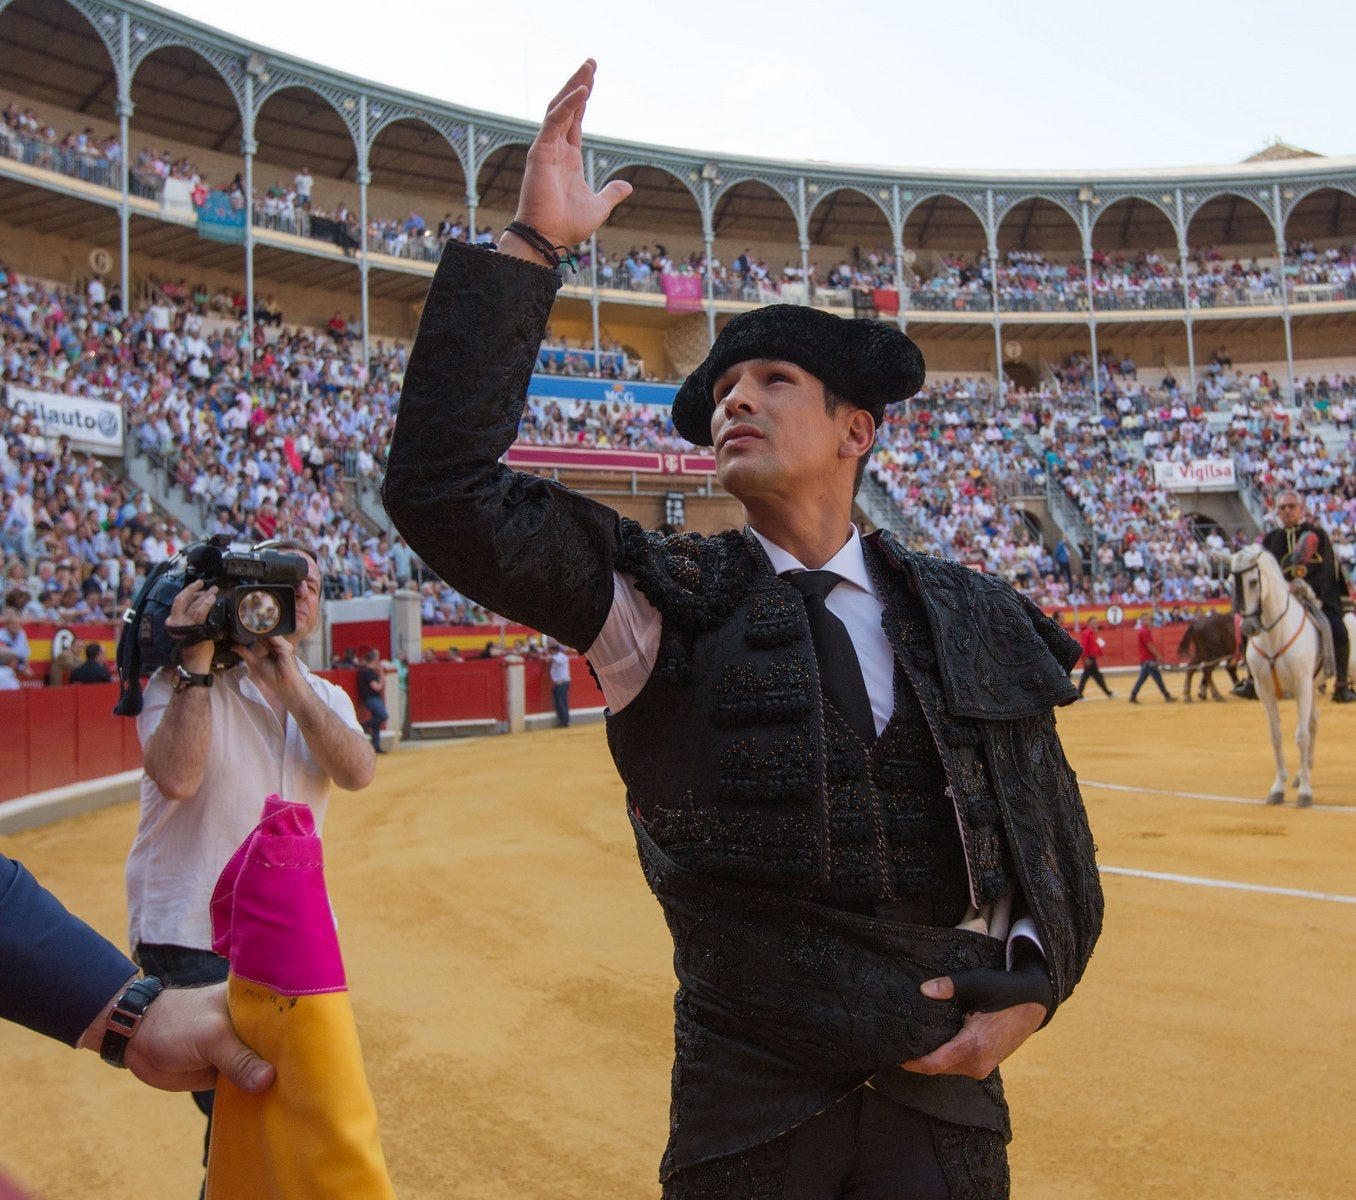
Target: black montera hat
pixel 867 363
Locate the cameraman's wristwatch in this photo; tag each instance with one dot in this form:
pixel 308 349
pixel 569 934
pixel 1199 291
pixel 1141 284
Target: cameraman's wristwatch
pixel 186 679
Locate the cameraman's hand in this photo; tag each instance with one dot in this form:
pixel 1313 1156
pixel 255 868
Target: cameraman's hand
pixel 191 607
pixel 273 663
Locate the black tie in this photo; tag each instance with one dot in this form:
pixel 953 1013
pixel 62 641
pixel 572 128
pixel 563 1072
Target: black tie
pixel 840 672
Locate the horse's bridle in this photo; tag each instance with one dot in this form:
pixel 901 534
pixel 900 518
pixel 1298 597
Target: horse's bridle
pixel 1271 659
pixel 1256 569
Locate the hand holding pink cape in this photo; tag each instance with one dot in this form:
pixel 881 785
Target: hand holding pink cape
pixel 313 1134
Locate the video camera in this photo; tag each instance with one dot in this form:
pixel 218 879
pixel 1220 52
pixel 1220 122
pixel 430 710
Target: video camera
pixel 256 598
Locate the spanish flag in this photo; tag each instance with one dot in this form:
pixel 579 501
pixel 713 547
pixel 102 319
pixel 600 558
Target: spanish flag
pixel 313 1134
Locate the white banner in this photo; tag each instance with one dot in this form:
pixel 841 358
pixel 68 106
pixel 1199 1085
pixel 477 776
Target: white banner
pixel 1199 475
pixel 90 424
pixel 176 200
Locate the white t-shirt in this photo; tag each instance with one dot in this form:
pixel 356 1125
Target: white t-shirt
pixel 181 846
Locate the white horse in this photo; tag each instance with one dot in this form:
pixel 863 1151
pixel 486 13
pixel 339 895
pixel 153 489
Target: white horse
pixel 1284 650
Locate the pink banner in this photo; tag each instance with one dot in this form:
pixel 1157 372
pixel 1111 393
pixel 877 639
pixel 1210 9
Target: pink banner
pixel 658 462
pixel 682 293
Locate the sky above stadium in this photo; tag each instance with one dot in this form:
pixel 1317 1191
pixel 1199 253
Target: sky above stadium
pixel 1045 84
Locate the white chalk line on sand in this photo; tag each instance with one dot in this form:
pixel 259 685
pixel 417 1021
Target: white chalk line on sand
pixel 1149 791
pixel 1196 881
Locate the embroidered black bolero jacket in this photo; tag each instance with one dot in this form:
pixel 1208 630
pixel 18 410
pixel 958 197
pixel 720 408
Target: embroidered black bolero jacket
pixel 544 556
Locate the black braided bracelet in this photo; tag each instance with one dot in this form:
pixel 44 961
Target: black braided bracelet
pixel 554 255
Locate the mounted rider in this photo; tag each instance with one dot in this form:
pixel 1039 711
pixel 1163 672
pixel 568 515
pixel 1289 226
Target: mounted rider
pixel 1305 552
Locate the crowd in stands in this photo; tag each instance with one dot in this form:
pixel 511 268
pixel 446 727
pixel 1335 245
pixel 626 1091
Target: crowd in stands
pixel 271 441
pixel 268 431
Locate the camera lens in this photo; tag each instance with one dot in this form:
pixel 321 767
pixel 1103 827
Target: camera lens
pixel 259 613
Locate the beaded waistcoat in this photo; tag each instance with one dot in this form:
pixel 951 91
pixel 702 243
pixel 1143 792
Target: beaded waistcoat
pixel 739 768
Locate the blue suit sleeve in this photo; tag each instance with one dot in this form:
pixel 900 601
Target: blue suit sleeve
pixel 57 972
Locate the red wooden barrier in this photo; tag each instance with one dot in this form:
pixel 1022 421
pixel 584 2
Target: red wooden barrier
pixel 98 734
pixel 345 678
pixel 53 748
pixel 14 745
pixel 59 736
pixel 354 635
pixel 1122 648
pixel 465 691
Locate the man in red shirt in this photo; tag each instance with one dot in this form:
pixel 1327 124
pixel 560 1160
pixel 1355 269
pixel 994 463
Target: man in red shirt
pixel 1148 663
pixel 1093 644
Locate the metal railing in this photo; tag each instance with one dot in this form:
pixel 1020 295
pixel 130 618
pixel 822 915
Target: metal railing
pixel 874 500
pixel 88 165
pixel 1069 519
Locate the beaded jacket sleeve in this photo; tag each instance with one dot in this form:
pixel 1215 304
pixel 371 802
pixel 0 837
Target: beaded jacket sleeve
pixel 522 546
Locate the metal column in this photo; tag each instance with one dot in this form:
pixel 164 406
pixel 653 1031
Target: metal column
pixel 1092 310
pixel 1279 223
pixel 1183 255
pixel 992 231
pixel 897 229
pixel 595 302
pixel 472 197
pixel 364 178
pixel 803 220
pixel 709 234
pixel 248 147
pixel 124 110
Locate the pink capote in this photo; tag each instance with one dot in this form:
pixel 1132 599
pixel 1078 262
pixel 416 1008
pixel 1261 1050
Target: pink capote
pixel 313 1134
pixel 270 911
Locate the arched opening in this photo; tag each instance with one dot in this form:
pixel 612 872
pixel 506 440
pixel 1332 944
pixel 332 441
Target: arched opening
pixel 52 57
pixel 944 247
pixel 1134 259
pixel 1040 260
pixel 1232 244
pixel 756 242
pixel 499 180
pixel 183 142
pixel 852 255
pixel 657 230
pixel 416 200
pixel 1320 264
pixel 305 170
pixel 56 72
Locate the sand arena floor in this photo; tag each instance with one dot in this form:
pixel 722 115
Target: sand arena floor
pixel 511 979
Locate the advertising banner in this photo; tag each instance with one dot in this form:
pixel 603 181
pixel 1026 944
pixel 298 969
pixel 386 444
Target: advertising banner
pixel 601 391
pixel 1199 475
pixel 90 424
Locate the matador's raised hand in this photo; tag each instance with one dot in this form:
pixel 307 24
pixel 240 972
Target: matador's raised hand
pixel 556 199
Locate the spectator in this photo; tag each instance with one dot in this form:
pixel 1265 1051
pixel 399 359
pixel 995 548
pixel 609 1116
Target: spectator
pixel 93 669
pixel 371 695
pixel 14 650
pixel 559 662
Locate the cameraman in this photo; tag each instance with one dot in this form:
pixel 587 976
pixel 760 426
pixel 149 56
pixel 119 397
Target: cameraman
pixel 215 744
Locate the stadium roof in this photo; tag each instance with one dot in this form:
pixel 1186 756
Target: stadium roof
pixel 189 84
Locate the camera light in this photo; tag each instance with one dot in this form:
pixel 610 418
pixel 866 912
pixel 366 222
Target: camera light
pixel 259 613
